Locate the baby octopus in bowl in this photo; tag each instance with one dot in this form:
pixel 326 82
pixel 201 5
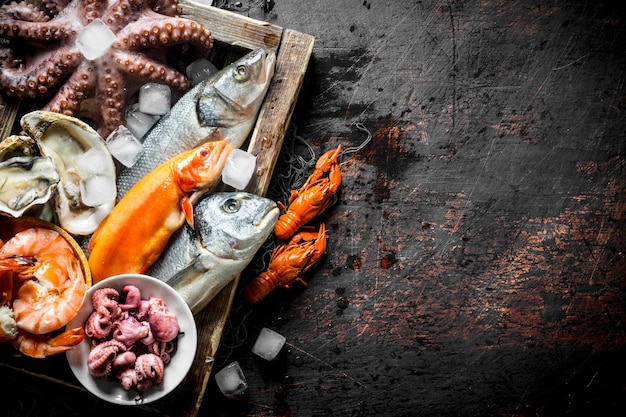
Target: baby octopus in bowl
pixel 140 340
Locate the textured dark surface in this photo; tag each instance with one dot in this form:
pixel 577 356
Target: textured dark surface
pixel 475 261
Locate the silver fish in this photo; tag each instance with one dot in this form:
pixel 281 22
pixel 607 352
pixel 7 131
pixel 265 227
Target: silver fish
pixel 26 181
pixel 224 106
pixel 229 228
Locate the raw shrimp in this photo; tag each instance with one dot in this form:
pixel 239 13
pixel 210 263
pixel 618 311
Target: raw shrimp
pixel 42 345
pixel 10 267
pixel 52 289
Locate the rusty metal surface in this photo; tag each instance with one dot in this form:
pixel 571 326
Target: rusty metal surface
pixel 475 260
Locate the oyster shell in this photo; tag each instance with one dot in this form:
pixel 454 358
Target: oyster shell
pixel 18 145
pixel 67 140
pixel 26 178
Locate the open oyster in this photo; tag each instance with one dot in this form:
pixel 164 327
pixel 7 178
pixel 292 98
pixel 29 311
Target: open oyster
pixel 26 178
pixel 86 191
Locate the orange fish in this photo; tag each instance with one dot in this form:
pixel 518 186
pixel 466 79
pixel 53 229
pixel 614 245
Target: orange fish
pixel 136 231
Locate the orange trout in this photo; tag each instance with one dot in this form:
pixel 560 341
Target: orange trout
pixel 136 231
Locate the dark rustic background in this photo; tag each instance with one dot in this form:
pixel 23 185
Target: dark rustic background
pixel 476 254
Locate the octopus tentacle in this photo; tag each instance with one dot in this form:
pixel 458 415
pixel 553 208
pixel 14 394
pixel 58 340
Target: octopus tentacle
pixel 29 82
pixel 162 349
pixel 149 366
pixel 42 31
pixel 87 10
pixel 159 32
pixel 100 359
pixel 110 91
pixel 149 70
pixel 122 13
pixel 99 323
pixel 77 87
pixel 105 297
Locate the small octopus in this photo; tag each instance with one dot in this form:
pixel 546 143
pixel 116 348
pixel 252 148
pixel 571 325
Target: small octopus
pixel 132 338
pixel 149 369
pixel 106 310
pixel 163 322
pixel 101 357
pixel 129 330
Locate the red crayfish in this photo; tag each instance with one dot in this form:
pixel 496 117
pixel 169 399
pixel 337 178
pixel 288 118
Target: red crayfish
pixel 301 248
pixel 288 262
pixel 310 200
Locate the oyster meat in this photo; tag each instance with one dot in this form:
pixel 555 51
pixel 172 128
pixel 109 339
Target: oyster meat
pixel 26 178
pixel 81 158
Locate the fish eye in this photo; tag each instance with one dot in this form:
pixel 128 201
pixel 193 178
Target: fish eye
pixel 231 205
pixel 241 72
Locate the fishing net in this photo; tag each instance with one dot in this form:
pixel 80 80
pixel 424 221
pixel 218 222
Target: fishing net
pixel 293 167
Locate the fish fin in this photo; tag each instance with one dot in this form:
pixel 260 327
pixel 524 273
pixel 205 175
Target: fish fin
pixel 187 274
pixel 187 208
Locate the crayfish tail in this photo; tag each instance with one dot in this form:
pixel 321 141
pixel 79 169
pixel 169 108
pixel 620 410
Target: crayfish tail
pixel 287 225
pixel 260 287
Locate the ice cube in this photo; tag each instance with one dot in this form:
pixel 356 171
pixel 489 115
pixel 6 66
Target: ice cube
pixel 231 380
pixel 92 162
pixel 268 344
pixel 97 190
pixel 200 69
pixel 139 122
pixel 155 98
pixel 239 168
pixel 94 39
pixel 72 190
pixel 124 146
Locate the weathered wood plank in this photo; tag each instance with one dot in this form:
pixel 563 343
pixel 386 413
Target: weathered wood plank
pixel 8 113
pixel 275 116
pixel 231 29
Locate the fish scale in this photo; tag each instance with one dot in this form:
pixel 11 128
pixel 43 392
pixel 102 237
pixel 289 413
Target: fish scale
pixel 173 134
pixel 222 107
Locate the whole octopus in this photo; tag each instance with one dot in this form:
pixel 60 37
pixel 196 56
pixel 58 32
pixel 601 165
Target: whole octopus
pixel 132 338
pixel 40 57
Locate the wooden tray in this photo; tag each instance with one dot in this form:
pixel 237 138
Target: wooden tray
pixel 236 34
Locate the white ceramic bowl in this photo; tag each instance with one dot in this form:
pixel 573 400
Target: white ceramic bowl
pixel 181 359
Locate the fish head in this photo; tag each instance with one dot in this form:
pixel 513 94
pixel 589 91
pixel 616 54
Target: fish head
pixel 201 167
pixel 234 95
pixel 234 225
